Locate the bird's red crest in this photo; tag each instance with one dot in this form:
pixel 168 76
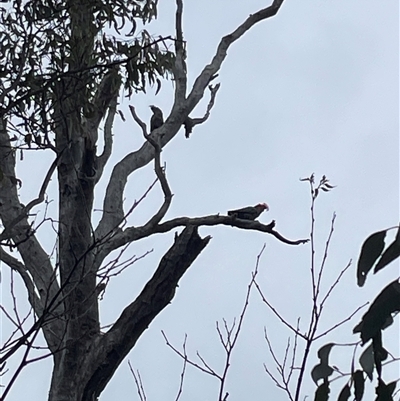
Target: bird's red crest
pixel 264 205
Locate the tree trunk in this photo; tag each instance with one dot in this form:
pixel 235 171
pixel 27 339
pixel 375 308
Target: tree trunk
pixel 83 368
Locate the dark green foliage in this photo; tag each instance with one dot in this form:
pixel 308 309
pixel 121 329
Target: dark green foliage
pixel 322 393
pixel 380 354
pixel 390 254
pixel 378 317
pixel 345 393
pixel 380 312
pixel 370 251
pixel 367 361
pixel 48 46
pixel 324 351
pixel 358 379
pixel 384 391
pixel 322 370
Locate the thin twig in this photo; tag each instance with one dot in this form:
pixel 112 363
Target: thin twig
pixel 190 362
pixel 325 257
pixel 138 382
pixel 335 326
pixel 183 370
pixel 277 314
pixel 332 287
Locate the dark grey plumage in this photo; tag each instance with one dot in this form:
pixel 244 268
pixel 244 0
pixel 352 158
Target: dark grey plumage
pixel 157 119
pixel 248 213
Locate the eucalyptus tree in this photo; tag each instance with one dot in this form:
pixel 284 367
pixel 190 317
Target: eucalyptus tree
pixel 65 64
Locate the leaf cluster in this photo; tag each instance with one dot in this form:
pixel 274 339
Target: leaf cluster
pixel 374 255
pixel 48 42
pixel 323 185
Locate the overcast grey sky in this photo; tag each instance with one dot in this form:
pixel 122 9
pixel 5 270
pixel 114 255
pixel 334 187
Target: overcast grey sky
pixel 315 89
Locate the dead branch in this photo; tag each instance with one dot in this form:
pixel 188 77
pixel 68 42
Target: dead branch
pixel 135 233
pixel 159 291
pixel 190 123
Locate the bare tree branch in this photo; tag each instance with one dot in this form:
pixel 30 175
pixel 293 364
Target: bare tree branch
pixel 335 326
pixel 185 361
pixel 135 233
pixel 332 287
pixel 190 123
pixel 228 338
pixel 20 268
pixel 211 69
pixel 278 315
pixel 283 383
pixel 139 122
pixel 138 382
pixel 8 231
pixel 325 257
pixel 207 369
pixel 160 172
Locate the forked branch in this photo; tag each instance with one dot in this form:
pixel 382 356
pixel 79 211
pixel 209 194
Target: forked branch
pixel 190 123
pixel 160 172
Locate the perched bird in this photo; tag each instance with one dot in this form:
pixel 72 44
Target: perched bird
pixel 250 212
pixel 157 119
